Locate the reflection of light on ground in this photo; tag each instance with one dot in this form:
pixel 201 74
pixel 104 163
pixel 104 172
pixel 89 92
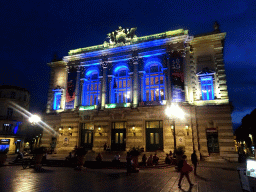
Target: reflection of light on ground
pixel 25 182
pixel 27 115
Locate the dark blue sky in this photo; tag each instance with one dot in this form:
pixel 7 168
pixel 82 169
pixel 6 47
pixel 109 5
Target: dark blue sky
pixel 31 31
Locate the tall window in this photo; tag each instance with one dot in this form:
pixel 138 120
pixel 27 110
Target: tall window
pixel 154 83
pixel 207 87
pixel 9 113
pixel 7 127
pixel 13 95
pixel 122 86
pixel 56 99
pixel 91 88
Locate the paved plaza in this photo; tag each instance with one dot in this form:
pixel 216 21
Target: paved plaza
pixel 211 177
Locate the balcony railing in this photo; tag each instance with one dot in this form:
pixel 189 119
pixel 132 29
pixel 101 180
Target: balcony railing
pixel 152 103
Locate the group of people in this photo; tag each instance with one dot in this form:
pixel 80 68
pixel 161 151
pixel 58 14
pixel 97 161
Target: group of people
pixel 150 161
pixel 169 158
pixel 183 167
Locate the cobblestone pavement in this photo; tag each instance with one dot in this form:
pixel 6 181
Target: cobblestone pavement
pixel 212 177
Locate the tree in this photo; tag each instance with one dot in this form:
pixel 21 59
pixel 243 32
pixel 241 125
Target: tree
pixel 248 127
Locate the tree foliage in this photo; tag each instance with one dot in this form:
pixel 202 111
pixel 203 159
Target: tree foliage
pixel 248 127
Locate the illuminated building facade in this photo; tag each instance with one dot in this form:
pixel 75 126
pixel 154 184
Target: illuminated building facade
pixel 117 93
pixel 11 121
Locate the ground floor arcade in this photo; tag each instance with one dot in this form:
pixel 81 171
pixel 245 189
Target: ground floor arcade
pixel 207 129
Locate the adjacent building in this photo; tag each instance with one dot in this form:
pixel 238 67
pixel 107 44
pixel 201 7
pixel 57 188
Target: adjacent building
pixel 118 92
pixel 12 122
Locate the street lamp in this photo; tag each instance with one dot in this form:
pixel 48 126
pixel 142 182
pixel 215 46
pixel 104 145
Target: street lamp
pixel 33 119
pixel 174 111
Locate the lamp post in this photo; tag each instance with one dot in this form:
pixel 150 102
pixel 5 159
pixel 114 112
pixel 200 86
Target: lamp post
pixel 174 111
pixel 33 119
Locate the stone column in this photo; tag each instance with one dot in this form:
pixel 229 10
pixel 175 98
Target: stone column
pixel 169 87
pixel 135 81
pixel 104 85
pixel 82 81
pixel 77 90
pixel 110 92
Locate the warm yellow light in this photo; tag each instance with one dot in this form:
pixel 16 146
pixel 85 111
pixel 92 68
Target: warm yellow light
pixel 174 111
pixel 99 129
pixel 34 119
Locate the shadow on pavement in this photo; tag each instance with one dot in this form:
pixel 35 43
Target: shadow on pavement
pixel 202 178
pixel 189 190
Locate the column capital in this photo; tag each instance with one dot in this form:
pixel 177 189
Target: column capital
pixel 135 60
pixel 104 64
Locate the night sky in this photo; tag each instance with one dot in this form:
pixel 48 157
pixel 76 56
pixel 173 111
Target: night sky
pixel 32 31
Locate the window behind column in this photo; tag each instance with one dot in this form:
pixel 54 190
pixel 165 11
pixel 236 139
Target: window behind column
pixel 91 88
pixel 154 89
pixel 122 85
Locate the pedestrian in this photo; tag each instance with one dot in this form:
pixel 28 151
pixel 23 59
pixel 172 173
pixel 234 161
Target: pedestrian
pixel 167 159
pixel 186 168
pixel 150 160
pixel 99 158
pixel 155 159
pixel 194 160
pixel 170 154
pixel 105 146
pixel 128 163
pixel 144 160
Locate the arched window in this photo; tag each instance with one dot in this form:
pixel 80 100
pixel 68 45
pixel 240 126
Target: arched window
pixel 154 89
pixel 122 85
pixel 91 88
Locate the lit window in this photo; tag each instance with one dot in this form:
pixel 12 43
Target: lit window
pixel 91 88
pixel 7 127
pixel 154 89
pixel 9 113
pixel 56 100
pixel 207 87
pixel 121 86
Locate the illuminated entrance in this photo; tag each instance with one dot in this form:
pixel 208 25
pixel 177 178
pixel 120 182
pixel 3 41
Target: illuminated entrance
pixel 118 136
pixel 87 135
pixel 154 135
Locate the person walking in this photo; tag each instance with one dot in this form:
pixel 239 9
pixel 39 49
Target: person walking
pixel 186 168
pixel 129 163
pixel 194 160
pixel 144 160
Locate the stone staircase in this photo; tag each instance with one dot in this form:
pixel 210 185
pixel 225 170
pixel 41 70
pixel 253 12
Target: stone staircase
pixel 109 156
pixel 214 158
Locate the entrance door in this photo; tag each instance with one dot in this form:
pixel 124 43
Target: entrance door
pixel 154 135
pixel 212 142
pixel 118 136
pixel 17 149
pixel 87 136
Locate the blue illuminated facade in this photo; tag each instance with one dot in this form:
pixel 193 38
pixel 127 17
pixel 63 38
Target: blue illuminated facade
pixel 121 85
pixel 118 93
pixel 154 82
pixel 91 88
